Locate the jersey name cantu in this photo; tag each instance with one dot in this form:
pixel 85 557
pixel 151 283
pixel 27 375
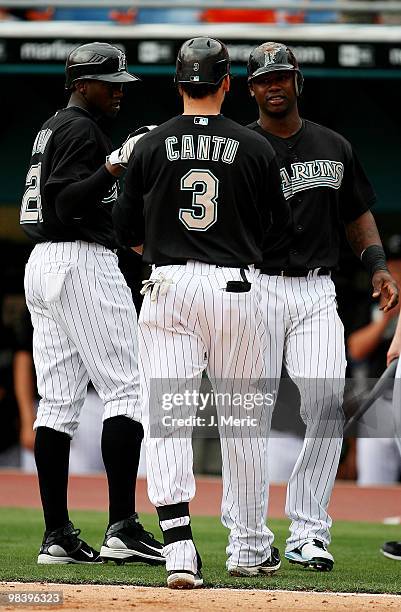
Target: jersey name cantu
pixel 70 147
pixel 203 188
pixel 325 185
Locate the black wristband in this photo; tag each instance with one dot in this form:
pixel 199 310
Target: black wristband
pixel 374 259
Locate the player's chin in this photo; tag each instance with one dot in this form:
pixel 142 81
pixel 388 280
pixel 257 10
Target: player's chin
pixel 113 110
pixel 277 111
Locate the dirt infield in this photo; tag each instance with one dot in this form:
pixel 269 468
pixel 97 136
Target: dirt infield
pixel 78 598
pixel 348 502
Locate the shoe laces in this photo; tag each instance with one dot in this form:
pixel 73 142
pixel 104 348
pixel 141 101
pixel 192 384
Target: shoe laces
pixel 67 533
pixel 135 525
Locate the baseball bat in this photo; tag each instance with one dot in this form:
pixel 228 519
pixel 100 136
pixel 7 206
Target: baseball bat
pixel 374 394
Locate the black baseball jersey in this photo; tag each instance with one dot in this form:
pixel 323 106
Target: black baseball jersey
pixel 70 148
pixel 325 185
pixel 201 188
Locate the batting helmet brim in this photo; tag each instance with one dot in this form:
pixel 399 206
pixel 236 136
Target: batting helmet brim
pixel 272 68
pixel 116 77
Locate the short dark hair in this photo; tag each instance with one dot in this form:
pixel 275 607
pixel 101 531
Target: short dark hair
pixel 200 90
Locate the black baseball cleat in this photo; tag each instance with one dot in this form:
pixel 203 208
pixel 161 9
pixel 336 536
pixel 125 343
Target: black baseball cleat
pixel 392 550
pixel 268 567
pixel 127 542
pixel 63 546
pixel 312 554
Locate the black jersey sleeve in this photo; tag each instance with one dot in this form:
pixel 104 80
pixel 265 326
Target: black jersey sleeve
pixel 357 195
pixel 74 200
pixel 72 158
pixel 77 179
pixel 128 217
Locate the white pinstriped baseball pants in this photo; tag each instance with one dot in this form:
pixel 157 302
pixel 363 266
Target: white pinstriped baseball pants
pixel 306 334
pixel 198 326
pixel 85 328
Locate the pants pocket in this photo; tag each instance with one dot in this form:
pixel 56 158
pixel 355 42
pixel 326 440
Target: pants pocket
pixel 54 283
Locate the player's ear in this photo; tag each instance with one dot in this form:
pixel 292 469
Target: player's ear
pixel 251 92
pixel 226 83
pixel 80 87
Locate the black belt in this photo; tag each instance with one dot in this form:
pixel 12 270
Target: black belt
pixel 177 262
pixel 295 271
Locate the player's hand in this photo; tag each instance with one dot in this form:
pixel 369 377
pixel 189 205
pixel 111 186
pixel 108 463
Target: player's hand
pixel 114 169
pixel 121 156
pixel 138 249
pixel 384 286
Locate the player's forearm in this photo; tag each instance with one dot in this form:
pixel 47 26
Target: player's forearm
pixel 395 346
pixel 397 334
pixel 76 199
pixel 362 233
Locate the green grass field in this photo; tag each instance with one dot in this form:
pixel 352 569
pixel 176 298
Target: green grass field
pixel 359 567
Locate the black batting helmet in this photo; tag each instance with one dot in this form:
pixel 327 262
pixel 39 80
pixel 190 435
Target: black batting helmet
pixel 202 60
pixel 98 61
pixel 270 57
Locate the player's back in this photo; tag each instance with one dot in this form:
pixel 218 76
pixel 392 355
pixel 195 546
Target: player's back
pixel 205 190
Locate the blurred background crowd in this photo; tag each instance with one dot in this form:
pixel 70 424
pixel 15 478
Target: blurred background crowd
pixel 144 15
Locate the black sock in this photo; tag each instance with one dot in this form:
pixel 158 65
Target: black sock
pixel 172 511
pixel 52 454
pixel 121 445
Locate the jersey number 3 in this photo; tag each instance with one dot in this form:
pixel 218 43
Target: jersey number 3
pixel 205 190
pixel 31 207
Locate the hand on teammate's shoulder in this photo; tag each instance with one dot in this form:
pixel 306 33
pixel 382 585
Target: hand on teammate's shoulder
pixel 121 156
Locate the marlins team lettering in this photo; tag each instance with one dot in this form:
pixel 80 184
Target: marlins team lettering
pixel 311 174
pixel 111 195
pixel 202 148
pixel 41 141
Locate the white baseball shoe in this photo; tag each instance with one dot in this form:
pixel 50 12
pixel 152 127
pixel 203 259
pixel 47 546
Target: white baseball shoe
pixel 312 554
pixel 183 579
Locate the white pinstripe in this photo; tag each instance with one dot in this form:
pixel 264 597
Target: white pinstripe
pixel 85 328
pixel 306 334
pixel 198 326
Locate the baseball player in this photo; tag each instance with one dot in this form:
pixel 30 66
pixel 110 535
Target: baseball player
pixel 195 194
pixel 377 458
pixel 392 550
pixel 82 312
pixel 326 187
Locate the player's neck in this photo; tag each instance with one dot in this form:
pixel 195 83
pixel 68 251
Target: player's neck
pixel 205 106
pixel 284 127
pixel 80 102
